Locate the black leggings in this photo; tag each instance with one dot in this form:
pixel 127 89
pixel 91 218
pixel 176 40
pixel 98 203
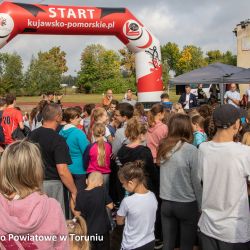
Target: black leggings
pixel 183 215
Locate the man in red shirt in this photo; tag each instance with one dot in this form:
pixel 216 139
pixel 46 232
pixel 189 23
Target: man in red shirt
pixel 11 119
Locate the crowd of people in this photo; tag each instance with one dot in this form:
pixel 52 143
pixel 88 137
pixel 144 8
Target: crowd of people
pixel 175 176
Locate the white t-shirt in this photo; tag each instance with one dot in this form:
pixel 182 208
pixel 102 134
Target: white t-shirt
pixel 140 212
pixel 248 94
pixel 234 95
pixel 187 101
pixel 224 169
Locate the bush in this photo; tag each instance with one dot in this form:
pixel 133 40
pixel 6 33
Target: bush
pixel 118 85
pixel 87 88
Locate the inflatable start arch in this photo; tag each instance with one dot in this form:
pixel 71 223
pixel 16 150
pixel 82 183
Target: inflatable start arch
pixel 19 18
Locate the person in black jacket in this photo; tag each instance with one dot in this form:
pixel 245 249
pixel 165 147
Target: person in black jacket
pixel 136 133
pixel 187 99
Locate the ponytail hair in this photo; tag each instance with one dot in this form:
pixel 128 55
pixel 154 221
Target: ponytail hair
pixel 99 131
pixel 156 109
pixel 78 227
pixel 95 115
pixel 133 170
pixel 135 128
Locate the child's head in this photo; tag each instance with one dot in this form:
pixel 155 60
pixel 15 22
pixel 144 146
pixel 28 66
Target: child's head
pixel 95 179
pixel 78 227
pixel 113 105
pixel 205 110
pixel 21 169
pixel 227 118
pixel 131 175
pixel 180 130
pixel 87 109
pixel 100 115
pixel 177 108
pixel 2 103
pixel 72 116
pixel 99 130
pixel 246 139
pixel 126 111
pixel 139 109
pixel 155 113
pixel 135 130
pixel 197 123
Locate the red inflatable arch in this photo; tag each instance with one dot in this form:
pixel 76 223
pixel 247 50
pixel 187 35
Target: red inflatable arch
pixel 19 18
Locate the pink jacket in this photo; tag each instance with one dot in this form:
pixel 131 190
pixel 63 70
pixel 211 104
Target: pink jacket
pixel 36 222
pixel 154 136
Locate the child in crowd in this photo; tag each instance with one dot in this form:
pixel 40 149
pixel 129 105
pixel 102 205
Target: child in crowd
pixel 140 112
pixel 198 130
pixel 99 115
pixel 91 204
pixel 224 168
pixel 36 115
pixel 113 125
pixel 25 209
pixel 137 211
pixel 112 107
pixel 177 108
pixel 157 130
pixel 77 228
pixel 97 155
pixel 80 110
pixel 77 143
pixel 87 110
pixel 136 133
pixel 180 187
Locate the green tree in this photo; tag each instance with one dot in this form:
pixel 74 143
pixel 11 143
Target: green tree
pixel 170 55
pixel 214 56
pixel 45 72
pixel 97 64
pixel 128 61
pixel 11 74
pixel 191 58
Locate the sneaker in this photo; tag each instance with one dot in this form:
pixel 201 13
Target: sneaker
pixel 158 244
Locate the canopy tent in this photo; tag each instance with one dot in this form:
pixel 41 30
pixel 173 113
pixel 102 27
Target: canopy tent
pixel 216 73
pixel 212 74
pixel 240 77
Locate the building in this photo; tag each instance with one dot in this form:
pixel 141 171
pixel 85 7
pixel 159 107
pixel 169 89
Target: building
pixel 242 32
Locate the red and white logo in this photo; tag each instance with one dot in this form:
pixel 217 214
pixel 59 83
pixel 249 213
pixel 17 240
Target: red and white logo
pixel 132 30
pixel 6 25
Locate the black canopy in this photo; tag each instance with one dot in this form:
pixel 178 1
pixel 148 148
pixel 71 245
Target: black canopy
pixel 241 77
pixel 212 74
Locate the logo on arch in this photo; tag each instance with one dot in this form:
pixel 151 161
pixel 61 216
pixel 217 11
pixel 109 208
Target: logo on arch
pixel 132 30
pixel 6 25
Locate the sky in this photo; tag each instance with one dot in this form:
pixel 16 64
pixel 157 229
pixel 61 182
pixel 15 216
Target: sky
pixel 205 23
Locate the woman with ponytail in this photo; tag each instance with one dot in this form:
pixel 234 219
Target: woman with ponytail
pixel 97 155
pixel 157 130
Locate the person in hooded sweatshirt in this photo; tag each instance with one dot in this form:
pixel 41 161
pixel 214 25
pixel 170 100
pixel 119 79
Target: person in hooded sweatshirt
pixel 135 132
pixel 77 142
pixel 157 129
pixel 27 214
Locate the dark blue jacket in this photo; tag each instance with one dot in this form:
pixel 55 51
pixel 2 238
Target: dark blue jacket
pixel 192 100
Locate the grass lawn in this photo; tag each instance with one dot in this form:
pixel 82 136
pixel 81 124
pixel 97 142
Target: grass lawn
pixel 81 98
